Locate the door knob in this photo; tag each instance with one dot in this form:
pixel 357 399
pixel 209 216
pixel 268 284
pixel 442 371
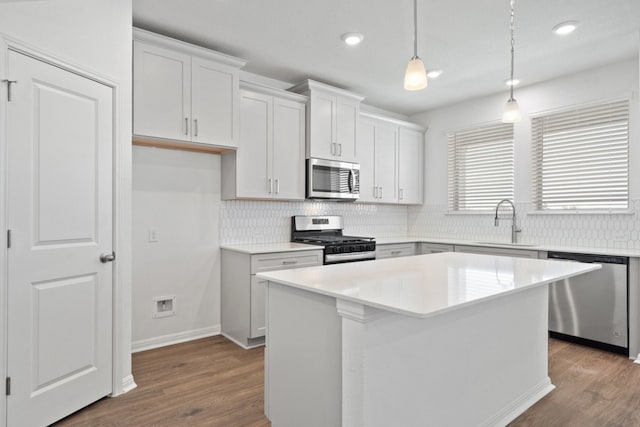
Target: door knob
pixel 105 258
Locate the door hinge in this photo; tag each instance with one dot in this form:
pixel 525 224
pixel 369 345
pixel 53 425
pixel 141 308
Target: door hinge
pixel 9 83
pixel 8 386
pixel 8 238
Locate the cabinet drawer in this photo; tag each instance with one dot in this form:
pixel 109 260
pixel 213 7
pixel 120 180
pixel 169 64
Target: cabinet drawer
pixel 395 250
pixel 284 260
pixel 433 248
pixel 521 253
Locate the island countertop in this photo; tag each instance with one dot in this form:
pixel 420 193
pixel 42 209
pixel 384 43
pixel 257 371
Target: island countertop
pixel 425 285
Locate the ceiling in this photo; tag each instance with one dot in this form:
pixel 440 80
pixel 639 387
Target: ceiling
pixel 292 40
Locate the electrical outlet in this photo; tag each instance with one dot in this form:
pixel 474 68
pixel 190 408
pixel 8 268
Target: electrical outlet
pixel 164 306
pixel 153 235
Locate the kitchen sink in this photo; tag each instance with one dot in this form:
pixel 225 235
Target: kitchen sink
pixel 516 245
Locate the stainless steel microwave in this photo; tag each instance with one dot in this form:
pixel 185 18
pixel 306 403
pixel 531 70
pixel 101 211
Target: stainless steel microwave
pixel 329 179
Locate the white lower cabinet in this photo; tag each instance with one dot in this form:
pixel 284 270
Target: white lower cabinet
pixel 395 250
pixel 522 253
pixel 434 248
pixel 243 294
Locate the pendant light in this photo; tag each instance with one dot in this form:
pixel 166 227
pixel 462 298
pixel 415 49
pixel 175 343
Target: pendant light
pixel 511 112
pixel 415 78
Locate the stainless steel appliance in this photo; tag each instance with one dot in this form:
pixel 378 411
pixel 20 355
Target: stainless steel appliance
pixel 327 231
pixel 328 179
pixel 592 308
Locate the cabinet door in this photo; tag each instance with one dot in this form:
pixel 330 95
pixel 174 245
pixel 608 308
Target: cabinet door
pixel 288 149
pixel 322 112
pixel 385 162
pixel 257 313
pixel 214 104
pixel 161 92
pixel 410 166
pixel 347 113
pixel 366 157
pixel 252 159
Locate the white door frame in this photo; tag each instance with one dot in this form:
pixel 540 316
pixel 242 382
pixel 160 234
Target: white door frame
pixel 122 378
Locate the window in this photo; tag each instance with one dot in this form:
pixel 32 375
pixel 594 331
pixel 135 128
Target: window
pixel 581 158
pixel 480 167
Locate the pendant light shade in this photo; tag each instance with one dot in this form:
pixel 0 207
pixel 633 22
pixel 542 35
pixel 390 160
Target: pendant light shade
pixel 415 78
pixel 511 112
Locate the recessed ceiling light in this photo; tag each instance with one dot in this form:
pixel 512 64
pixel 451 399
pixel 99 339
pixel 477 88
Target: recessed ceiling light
pixel 352 39
pixel 514 82
pixel 565 28
pixel 434 74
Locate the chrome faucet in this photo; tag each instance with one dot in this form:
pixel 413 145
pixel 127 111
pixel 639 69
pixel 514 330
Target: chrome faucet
pixel 514 227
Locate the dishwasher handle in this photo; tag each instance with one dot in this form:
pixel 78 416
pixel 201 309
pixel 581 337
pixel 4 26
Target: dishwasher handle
pixel 589 258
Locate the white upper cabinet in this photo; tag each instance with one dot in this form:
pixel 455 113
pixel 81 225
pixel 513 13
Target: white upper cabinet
pixel 386 161
pixel 367 159
pixel 391 160
pixel 184 93
pixel 410 166
pixel 269 162
pixel 332 121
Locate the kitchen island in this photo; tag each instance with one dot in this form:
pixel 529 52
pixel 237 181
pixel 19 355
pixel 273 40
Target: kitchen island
pixel 448 339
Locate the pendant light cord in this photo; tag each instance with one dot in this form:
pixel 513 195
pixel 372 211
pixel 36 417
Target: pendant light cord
pixel 415 28
pixel 513 43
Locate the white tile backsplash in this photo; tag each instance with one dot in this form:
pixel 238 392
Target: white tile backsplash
pixel 246 222
pixel 613 230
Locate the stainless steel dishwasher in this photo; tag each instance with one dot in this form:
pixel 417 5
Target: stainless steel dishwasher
pixel 592 308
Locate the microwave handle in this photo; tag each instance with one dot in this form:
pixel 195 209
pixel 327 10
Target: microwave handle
pixel 352 180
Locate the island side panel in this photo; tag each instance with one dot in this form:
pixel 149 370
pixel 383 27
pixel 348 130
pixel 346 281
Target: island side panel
pixel 303 358
pixel 480 365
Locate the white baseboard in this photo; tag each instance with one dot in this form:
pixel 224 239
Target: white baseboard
pixel 637 360
pixel 164 340
pixel 520 404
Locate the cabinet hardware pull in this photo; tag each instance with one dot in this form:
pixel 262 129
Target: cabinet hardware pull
pixel 396 252
pixel 277 186
pixel 195 127
pixel 186 125
pixel 9 83
pixel 401 194
pixel 340 150
pixel 289 262
pixel 269 186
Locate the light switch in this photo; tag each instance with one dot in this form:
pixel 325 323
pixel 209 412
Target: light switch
pixel 153 235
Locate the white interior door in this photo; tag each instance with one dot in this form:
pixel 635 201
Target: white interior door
pixel 60 142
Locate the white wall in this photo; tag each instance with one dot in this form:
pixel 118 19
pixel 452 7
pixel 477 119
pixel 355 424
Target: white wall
pixel 95 36
pixel 176 193
pixel 606 231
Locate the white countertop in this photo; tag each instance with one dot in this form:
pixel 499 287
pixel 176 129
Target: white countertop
pixel 426 285
pixel 266 248
pixel 262 248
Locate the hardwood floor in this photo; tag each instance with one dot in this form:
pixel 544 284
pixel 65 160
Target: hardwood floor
pixel 213 382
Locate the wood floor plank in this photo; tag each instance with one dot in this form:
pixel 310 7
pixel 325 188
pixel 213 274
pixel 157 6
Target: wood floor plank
pixel 213 382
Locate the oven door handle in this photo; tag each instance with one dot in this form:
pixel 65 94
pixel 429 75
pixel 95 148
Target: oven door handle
pixel 354 256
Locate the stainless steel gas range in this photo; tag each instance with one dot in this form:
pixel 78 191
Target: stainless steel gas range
pixel 327 231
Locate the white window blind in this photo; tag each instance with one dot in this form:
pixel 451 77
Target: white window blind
pixel 581 158
pixel 480 167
